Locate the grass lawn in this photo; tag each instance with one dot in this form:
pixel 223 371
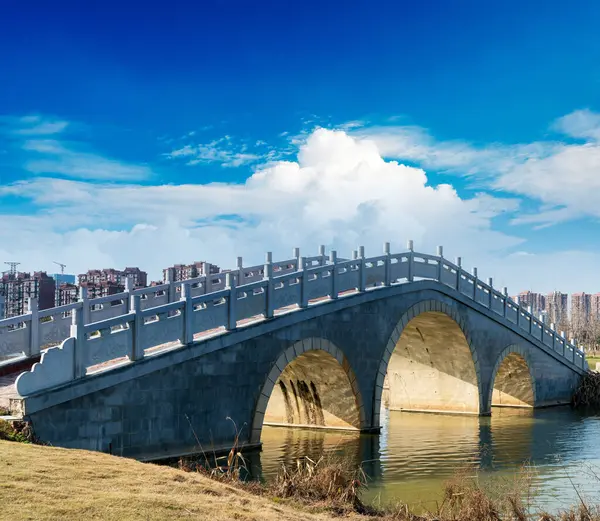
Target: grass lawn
pixel 43 483
pixel 592 361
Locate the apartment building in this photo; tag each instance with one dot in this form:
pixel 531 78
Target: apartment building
pixel 17 288
pixel 581 304
pixel 180 272
pixel 557 307
pixel 66 293
pixel 537 301
pixel 101 283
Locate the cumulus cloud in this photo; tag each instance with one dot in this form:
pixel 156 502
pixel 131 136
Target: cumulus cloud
pixel 561 176
pixel 340 192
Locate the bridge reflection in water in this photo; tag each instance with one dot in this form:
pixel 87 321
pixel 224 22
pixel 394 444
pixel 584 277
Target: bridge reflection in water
pixel 416 453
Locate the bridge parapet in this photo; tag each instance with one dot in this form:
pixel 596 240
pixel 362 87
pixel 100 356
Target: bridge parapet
pixel 141 323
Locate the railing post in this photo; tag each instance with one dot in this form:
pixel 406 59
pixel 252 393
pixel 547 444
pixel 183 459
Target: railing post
pixel 207 278
pixel 410 246
pixel 188 314
pixel 232 299
pixel 268 276
pixel 136 345
pixel 240 269
pixel 78 332
pixel 458 272
pixel 354 254
pixel 303 282
pixel 322 255
pixel 296 255
pixel 85 304
pixel 388 264
pixel 334 274
pixel 505 292
pixel 475 284
pixel 34 324
pixel 491 285
pixel 362 284
pixel 530 316
pixel 440 254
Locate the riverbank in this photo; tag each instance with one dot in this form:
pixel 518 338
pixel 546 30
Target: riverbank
pixel 46 483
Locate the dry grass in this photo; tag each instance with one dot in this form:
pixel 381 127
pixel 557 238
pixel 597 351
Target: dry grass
pixel 47 483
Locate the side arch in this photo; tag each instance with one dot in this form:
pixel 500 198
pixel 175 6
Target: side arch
pixel 431 307
pixel 513 382
pixel 307 351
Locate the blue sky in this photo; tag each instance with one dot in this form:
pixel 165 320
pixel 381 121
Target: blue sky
pixel 116 122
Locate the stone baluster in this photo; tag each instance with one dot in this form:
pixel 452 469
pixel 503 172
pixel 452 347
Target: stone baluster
pixel 491 285
pixel 34 327
pixel 172 289
pixel 137 351
pixel 188 314
pixel 231 300
pixel 410 246
pixel 296 255
pixel 80 351
pixel 458 273
pixel 322 259
pixel 354 254
pixel 334 273
pixel 268 277
pixel 440 254
pixel 362 277
pixel 388 264
pixel 207 278
pixel 85 304
pixel 303 282
pixel 128 290
pixel 505 293
pixel 475 284
pixel 240 270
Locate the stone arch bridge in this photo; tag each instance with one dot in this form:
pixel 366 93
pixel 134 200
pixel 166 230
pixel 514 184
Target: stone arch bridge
pixel 318 342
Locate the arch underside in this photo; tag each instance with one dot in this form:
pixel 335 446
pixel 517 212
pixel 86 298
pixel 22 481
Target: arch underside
pixel 314 390
pixel 513 386
pixel 431 368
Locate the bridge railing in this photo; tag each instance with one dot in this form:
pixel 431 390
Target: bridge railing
pixel 139 323
pixel 27 335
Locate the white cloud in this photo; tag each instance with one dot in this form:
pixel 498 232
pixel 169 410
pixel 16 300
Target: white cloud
pixel 562 177
pixel 340 193
pixel 54 157
pixel 34 125
pixel 222 151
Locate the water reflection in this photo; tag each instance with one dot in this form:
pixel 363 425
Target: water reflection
pixel 416 453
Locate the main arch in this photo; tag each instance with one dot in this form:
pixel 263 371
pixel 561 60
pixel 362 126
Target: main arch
pixel 429 364
pixel 513 382
pixel 310 385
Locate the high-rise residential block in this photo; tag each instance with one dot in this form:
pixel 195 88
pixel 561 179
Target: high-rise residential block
pixel 557 307
pixel 537 301
pixel 17 288
pixel 581 304
pixel 595 307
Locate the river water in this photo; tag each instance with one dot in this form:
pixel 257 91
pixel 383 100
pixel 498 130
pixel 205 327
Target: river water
pixel 416 453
